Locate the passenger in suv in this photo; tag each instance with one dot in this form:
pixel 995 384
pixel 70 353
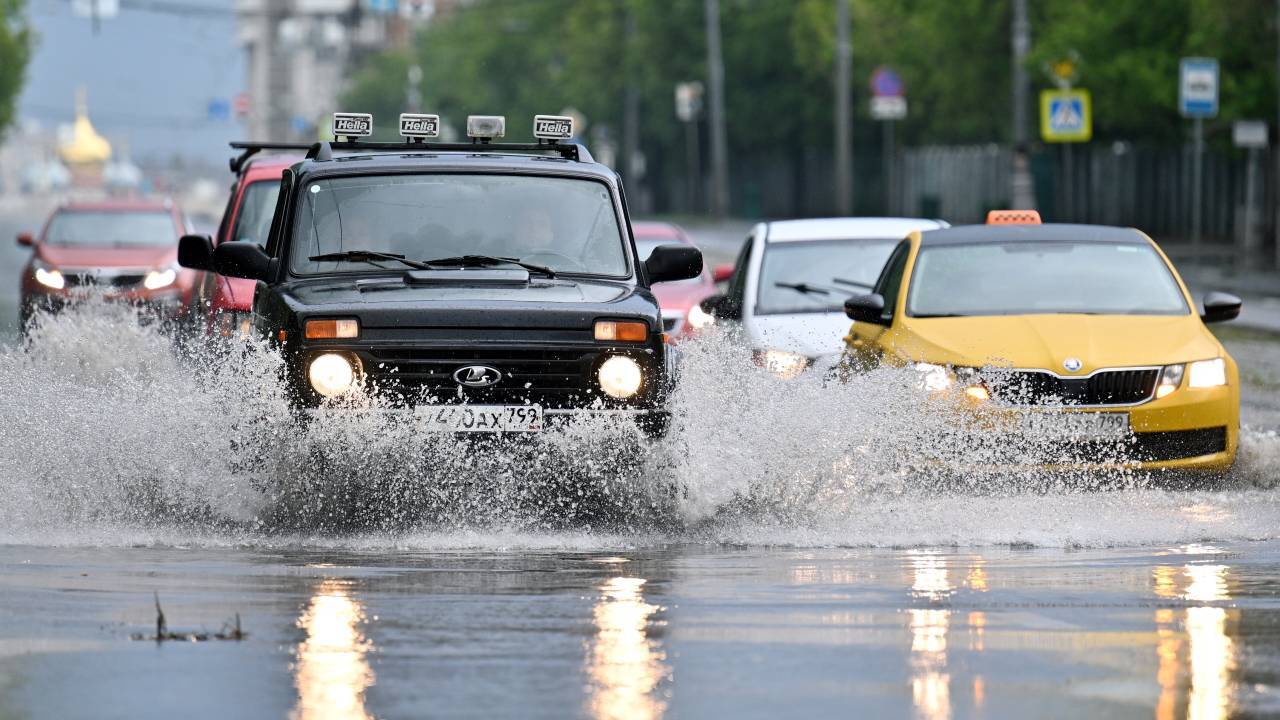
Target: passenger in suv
pixel 493 287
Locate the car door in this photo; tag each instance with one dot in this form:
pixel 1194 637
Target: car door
pixel 866 342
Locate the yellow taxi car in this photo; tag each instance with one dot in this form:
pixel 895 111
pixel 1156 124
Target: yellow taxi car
pixel 1084 332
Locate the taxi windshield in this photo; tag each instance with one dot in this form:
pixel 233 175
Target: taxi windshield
pixel 818 276
pixel 111 228
pixel 1032 278
pixel 565 224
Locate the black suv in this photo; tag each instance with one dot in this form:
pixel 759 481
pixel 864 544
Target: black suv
pixel 490 287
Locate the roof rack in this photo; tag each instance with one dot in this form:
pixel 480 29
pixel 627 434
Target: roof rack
pixel 568 151
pixel 253 148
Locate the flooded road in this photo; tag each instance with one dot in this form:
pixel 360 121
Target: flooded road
pixel 782 553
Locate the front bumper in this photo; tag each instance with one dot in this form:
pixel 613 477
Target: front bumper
pixel 165 304
pixel 651 421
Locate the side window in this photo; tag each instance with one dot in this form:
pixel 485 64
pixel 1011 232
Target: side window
pixel 738 282
pixel 277 223
pixel 890 282
pixel 225 226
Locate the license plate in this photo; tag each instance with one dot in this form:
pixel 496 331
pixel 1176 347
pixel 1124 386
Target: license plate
pixel 480 418
pixel 1076 425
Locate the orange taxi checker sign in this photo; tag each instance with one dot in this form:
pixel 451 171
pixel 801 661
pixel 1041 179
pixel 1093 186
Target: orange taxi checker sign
pixel 1013 217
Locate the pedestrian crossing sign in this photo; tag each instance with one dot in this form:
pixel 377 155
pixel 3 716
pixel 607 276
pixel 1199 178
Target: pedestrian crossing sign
pixel 1066 116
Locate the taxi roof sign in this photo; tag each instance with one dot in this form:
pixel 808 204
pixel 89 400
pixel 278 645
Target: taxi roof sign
pixel 415 126
pixel 352 125
pixel 552 127
pixel 1013 217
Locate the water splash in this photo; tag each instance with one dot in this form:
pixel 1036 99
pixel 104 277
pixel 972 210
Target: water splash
pixel 117 434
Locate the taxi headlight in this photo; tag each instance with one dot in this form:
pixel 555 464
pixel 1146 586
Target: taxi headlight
pixel 331 374
pixel 1170 379
pixel 1207 373
pixel 50 277
pixel 699 318
pixel 783 363
pixel 157 279
pixel 620 377
pixel 934 378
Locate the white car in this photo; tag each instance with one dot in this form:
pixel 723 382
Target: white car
pixel 792 277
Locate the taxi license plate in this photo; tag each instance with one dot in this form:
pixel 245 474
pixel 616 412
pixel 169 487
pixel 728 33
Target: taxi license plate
pixel 1076 425
pixel 480 418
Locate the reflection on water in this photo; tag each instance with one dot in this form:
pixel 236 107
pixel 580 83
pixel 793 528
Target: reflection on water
pixel 1196 665
pixel 930 681
pixel 332 671
pixel 625 665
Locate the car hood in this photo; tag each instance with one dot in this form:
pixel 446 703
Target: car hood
pixel 811 334
pixel 108 257
pixel 1047 341
pixel 542 303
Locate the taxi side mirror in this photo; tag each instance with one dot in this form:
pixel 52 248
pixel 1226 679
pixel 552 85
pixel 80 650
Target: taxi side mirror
pixel 866 308
pixel 195 252
pixel 26 239
pixel 1221 307
pixel 673 262
pixel 723 273
pixel 242 259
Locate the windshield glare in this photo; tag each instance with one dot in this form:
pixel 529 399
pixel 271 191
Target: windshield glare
pixel 111 229
pixel 1028 278
pixel 830 271
pixel 566 224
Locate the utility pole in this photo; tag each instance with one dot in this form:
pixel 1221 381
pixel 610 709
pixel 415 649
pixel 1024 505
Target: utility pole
pixel 719 144
pixel 1021 191
pixel 844 112
pixel 630 106
pixel 1275 149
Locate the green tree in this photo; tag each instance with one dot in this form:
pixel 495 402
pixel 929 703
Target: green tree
pixel 15 50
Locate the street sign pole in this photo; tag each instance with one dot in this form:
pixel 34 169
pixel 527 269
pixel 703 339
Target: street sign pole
pixel 1197 99
pixel 888 105
pixel 1251 135
pixel 1197 178
pixel 844 112
pixel 889 157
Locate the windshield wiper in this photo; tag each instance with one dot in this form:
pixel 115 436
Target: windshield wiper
pixel 803 288
pixel 855 283
pixel 488 261
pixel 368 256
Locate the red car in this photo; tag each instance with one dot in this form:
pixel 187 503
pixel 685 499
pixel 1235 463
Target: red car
pixel 125 248
pixel 681 315
pixel 228 301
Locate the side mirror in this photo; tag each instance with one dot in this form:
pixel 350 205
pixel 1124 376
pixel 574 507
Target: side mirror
pixel 673 262
pixel 26 239
pixel 866 308
pixel 195 252
pixel 242 259
pixel 722 273
pixel 1220 307
pixel 720 307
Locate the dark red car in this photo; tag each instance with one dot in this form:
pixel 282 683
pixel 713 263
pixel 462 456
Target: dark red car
pixel 228 301
pixel 681 314
pixel 127 249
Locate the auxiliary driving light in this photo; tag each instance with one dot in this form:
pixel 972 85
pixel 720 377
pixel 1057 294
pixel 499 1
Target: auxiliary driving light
pixel 331 374
pixel 620 377
pixel 486 127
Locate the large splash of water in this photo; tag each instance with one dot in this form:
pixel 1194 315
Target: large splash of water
pixel 112 433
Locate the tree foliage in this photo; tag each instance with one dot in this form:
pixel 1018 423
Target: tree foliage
pixel 15 50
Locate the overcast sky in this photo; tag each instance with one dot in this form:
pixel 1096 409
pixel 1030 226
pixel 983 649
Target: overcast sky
pixel 150 77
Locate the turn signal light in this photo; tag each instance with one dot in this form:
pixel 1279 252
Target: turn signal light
pixel 621 331
pixel 331 329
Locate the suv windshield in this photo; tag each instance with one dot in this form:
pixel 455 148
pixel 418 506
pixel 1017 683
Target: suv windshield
pixel 809 276
pixel 1029 278
pixel 111 228
pixel 565 224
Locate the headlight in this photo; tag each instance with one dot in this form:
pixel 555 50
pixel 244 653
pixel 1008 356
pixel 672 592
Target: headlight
pixel 231 324
pixel 331 374
pixel 699 318
pixel 783 363
pixel 50 277
pixel 620 377
pixel 1170 379
pixel 934 378
pixel 1207 373
pixel 157 279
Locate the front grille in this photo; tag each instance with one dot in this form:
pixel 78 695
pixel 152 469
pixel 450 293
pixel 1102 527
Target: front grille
pixel 1178 444
pixel 1105 387
pixel 551 377
pixel 75 279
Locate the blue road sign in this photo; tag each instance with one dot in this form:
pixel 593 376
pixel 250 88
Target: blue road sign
pixel 1198 87
pixel 219 109
pixel 885 82
pixel 1066 116
pixel 384 6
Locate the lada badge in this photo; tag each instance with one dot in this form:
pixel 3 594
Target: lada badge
pixel 477 376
